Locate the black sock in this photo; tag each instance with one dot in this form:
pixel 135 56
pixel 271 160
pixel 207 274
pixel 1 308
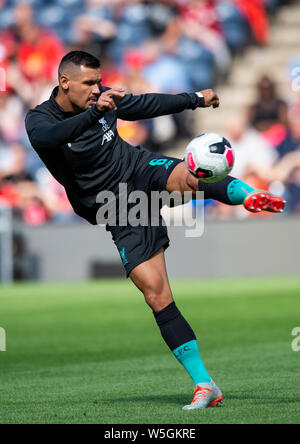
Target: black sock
pixel 174 328
pixel 217 191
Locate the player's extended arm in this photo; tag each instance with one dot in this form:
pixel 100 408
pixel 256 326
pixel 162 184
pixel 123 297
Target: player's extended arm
pixel 148 106
pixel 44 134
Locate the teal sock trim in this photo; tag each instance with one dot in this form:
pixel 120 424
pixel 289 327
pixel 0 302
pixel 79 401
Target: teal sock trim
pixel 189 356
pixel 238 191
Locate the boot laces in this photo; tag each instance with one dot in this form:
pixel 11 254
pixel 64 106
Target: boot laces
pixel 201 392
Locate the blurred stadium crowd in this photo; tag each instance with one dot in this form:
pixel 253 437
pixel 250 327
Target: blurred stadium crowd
pixel 165 46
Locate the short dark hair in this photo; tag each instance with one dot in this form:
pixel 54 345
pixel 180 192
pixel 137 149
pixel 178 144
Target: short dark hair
pixel 79 58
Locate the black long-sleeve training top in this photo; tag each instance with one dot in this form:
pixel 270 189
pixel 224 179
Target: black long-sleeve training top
pixel 85 153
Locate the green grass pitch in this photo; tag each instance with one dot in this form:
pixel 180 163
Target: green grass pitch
pixel 92 353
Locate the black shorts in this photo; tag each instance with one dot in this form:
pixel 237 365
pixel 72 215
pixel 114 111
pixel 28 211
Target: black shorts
pixel 138 244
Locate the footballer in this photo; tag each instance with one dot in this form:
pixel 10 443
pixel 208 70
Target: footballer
pixel 75 135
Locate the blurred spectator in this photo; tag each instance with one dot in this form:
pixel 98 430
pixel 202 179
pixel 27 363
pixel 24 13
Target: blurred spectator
pixel 287 174
pixel 93 25
pixel 163 71
pixel 11 117
pixel 36 49
pixel 269 114
pixel 256 15
pixel 292 140
pixel 252 152
pixel 13 163
pixel 55 198
pixel 293 190
pixel 32 205
pixel 39 53
pixel 234 24
pixel 196 37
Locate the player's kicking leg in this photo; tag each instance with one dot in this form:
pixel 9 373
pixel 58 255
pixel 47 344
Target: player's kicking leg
pixel 152 279
pixel 230 191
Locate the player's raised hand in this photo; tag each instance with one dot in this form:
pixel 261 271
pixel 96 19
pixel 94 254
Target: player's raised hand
pixel 211 98
pixel 109 99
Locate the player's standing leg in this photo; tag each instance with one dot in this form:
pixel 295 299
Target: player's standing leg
pixel 152 279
